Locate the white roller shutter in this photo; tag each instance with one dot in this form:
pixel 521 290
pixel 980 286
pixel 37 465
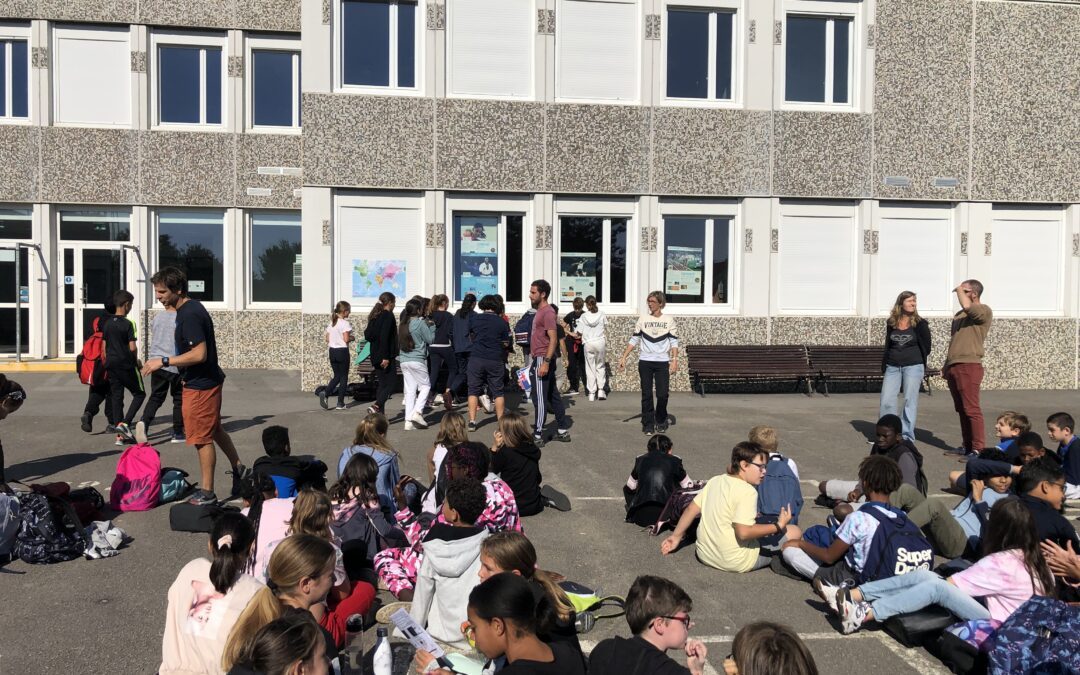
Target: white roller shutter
pixel 491 47
pixel 1026 262
pixel 597 44
pixel 378 235
pixel 816 270
pixel 92 76
pixel 915 254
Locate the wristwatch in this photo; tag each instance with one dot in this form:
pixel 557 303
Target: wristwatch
pixel 165 362
pixel 778 528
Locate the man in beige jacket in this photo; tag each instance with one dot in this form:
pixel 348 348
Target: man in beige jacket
pixel 963 368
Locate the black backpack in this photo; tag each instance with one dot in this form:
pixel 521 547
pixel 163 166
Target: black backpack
pixel 184 517
pixel 49 531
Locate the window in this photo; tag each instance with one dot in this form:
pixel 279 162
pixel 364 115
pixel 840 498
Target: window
pixel 697 265
pixel 592 258
pixel 92 76
pixel 370 260
pixel 9 297
pixel 190 79
pixel 597 50
pixel 817 259
pixel 95 225
pixel 14 72
pixel 274 85
pixel 1026 261
pixel 487 255
pixel 378 43
pixel 819 59
pixel 490 47
pixel 915 253
pixel 276 261
pixel 16 224
pixel 700 54
pixel 194 241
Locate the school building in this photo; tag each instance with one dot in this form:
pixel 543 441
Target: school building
pixel 781 168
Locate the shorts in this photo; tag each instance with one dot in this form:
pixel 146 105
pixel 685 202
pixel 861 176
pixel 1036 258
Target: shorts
pixel 202 414
pixel 489 372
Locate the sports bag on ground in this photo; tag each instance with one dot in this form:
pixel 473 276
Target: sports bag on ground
pixel 90 363
pixel 1041 636
pixel 137 486
pixel 589 605
pixel 49 530
pixel 184 517
pixel 898 546
pixel 676 504
pixel 918 629
pixel 174 484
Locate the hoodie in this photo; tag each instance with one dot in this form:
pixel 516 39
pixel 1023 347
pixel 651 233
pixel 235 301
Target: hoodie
pixel 520 469
pixel 448 574
pixel 590 325
pixel 389 472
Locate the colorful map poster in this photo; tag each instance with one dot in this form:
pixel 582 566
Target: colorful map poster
pixel 371 278
pixel 684 270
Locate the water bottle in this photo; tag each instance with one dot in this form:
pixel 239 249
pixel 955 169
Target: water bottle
pixel 382 663
pixel 354 629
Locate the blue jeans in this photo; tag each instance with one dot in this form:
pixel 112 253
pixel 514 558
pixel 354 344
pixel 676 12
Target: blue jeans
pixel 911 377
pixel 913 591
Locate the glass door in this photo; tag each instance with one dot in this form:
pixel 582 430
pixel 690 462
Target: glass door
pixel 10 289
pixel 91 274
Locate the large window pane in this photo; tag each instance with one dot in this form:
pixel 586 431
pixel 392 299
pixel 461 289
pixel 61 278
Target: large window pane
pixel 406 44
pixel 515 255
pixel 804 78
pixel 841 51
pixel 581 263
pixel 721 254
pixel 19 85
pixel 178 84
pixel 213 86
pixel 275 257
pixel 7 330
pixel 618 260
pixel 684 259
pixel 725 35
pixel 16 224
pixel 8 288
pixel 4 73
pixel 365 43
pixel 272 88
pixel 688 54
pixel 476 255
pixel 95 225
pixel 195 242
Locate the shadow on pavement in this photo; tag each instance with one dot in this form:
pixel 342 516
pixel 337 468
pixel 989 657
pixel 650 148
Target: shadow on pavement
pixel 37 469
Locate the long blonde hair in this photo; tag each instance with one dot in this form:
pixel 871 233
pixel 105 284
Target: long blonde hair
pixel 513 552
pixel 898 310
pixel 515 430
pixel 452 430
pixel 311 514
pixel 372 432
pixel 298 557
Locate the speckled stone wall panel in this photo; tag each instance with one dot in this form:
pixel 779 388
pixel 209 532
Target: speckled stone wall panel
pixel 368 141
pixel 1027 84
pixel 922 74
pixel 199 13
pixel 701 151
pixel 821 154
pixel 102 11
pixel 818 330
pixel 19 150
pixel 315 364
pixel 268 150
pixel 597 148
pixel 277 15
pixel 269 339
pixel 187 168
pixel 18 9
pixel 225 336
pixel 1030 354
pixel 89 165
pixel 489 145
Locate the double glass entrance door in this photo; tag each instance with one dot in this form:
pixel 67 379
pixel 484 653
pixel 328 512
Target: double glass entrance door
pixel 91 275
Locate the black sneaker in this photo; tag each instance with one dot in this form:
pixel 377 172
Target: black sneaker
pixel 85 423
pixel 539 441
pixel 110 428
pixel 473 426
pixel 202 498
pixel 563 437
pixel 322 400
pixel 124 430
pixel 647 429
pixel 661 428
pixel 554 498
pixel 239 474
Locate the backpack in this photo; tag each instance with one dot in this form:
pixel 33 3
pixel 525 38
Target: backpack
pixel 780 488
pixel 49 530
pixel 87 502
pixel 676 504
pixel 589 605
pixel 898 546
pixel 1041 636
pixel 90 363
pixel 9 523
pixel 137 486
pixel 523 329
pixel 184 517
pixel 174 484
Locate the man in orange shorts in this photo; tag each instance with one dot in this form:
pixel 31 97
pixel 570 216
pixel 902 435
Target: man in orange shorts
pixel 197 359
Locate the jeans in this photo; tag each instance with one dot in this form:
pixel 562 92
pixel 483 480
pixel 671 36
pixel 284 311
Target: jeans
pixel 339 364
pixel 595 373
pixel 165 383
pixel 906 593
pixel 417 386
pixel 964 381
pixel 911 376
pixel 649 372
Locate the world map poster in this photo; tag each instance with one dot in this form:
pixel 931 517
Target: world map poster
pixel 371 278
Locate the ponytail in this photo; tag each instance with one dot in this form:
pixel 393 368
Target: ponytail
pixel 231 542
pixel 513 552
pixel 380 305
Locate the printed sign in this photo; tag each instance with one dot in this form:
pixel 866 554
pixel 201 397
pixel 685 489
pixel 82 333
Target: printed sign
pixel 577 275
pixel 194 286
pixel 684 270
pixel 371 278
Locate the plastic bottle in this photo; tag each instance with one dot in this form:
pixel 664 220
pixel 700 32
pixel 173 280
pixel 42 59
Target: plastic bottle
pixel 354 642
pixel 382 663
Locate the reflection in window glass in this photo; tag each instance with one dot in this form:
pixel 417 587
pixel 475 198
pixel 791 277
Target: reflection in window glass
pixel 16 224
pixel 721 261
pixel 841 51
pixel 477 264
pixel 272 93
pixel 8 290
pixel 194 241
pixel 95 225
pixel 515 256
pixel 725 36
pixel 189 84
pixel 406 44
pixel 618 260
pixel 688 54
pixel 213 86
pixel 14 69
pixel 581 268
pixel 810 65
pixel 365 43
pixel 276 257
pixel 7 330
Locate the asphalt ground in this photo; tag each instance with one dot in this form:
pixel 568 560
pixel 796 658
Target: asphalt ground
pixel 107 616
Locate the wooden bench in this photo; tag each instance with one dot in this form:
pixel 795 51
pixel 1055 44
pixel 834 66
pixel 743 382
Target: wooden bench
pixel 362 379
pixel 852 363
pixel 748 363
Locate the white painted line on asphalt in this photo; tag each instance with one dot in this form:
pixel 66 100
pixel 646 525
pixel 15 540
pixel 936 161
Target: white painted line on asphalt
pixel 913 657
pixel 598 499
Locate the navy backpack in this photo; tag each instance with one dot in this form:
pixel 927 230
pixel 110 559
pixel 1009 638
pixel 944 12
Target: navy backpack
pixel 1041 636
pixel 898 546
pixel 778 489
pixel 523 328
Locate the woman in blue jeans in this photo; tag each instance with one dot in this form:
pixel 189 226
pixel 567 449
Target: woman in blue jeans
pixel 907 345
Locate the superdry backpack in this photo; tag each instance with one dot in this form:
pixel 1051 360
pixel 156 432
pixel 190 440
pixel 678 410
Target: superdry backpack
pixel 137 486
pixel 1041 636
pixel 523 328
pixel 90 363
pixel 898 545
pixel 49 530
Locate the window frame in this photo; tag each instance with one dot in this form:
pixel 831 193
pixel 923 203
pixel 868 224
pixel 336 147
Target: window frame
pixel 503 206
pixel 17 31
pixel 160 38
pixel 450 93
pixel 738 50
pixel 606 209
pixel 88 32
pixel 1033 212
pixel 819 210
pixel 419 57
pixel 226 244
pixel 252 44
pixel 638 40
pixel 249 216
pixel 847 9
pixel 710 209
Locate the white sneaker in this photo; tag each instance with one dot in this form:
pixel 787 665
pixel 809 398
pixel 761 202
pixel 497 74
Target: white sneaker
pixel 826 592
pixel 602 395
pixel 485 401
pixel 852 614
pixel 592 396
pixel 418 420
pixel 409 426
pixel 438 399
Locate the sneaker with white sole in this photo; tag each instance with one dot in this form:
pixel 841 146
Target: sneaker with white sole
pixel 438 400
pixel 178 438
pixel 124 431
pixel 592 396
pixel 826 592
pixel 140 432
pixel 419 421
pixel 409 426
pixel 202 498
pixel 119 440
pixel 602 395
pixel 473 426
pixel 555 499
pixel 485 401
pixel 852 614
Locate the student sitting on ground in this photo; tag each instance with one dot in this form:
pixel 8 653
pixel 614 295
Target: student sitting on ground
pixel 727 536
pixel 780 487
pixel 655 475
pixel 766 648
pixel 270 516
pixel 658 612
pixel 207 598
pixel 291 645
pixel 515 457
pixel 290 474
pixel 1041 485
pixel 1061 428
pixel 1012 570
pixel 848 555
pixel 358 521
pixel 451 432
pixel 371 440
pixel 1026 447
pixel 1009 426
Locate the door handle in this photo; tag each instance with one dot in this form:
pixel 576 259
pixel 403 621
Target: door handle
pixel 83 299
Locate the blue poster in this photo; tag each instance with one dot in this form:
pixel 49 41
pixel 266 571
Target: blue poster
pixel 479 285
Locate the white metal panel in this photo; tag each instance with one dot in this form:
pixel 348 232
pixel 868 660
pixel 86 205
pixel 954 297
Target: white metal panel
pixel 92 76
pixel 915 254
pixel 597 45
pixel 1026 265
pixel 363 238
pixel 816 269
pixel 491 46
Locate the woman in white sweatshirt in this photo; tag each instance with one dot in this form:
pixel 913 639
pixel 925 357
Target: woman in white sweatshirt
pixel 590 328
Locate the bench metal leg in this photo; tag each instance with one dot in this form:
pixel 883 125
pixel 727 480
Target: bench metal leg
pixel 824 385
pixel 926 382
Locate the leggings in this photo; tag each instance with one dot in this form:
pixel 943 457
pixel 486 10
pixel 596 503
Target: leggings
pixel 339 383
pixel 436 357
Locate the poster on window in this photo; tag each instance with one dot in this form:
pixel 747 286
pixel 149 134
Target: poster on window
pixel 479 259
pixel 577 275
pixel 684 270
pixel 371 278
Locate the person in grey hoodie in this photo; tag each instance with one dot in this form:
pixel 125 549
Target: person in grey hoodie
pixel 451 564
pixel 415 333
pixel 164 381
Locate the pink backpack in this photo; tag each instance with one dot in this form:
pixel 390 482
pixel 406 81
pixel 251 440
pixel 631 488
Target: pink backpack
pixel 137 486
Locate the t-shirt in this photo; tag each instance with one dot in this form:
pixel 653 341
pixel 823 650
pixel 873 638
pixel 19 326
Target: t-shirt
pixel 725 501
pixel 566 662
pixel 542 323
pixel 199 619
pixel 118 334
pixel 193 327
pixel 624 656
pixel 163 337
pixel 903 348
pixel 857 531
pixel 1001 578
pixel 490 336
pixel 337 334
